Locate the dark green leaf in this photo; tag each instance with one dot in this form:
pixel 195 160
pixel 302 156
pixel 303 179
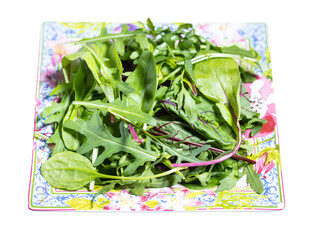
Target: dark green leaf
pixel 254 179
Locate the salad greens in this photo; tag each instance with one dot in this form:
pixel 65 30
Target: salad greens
pixel 152 107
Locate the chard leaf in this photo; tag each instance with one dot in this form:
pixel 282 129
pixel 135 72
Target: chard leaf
pixel 219 81
pixel 97 135
pixel 209 123
pixel 181 156
pixel 68 170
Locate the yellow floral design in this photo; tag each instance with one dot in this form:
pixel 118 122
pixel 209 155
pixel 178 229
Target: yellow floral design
pixel 85 204
pixel 83 26
pixel 236 200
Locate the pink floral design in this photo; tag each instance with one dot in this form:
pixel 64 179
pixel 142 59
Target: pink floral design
pixel 165 199
pixel 260 165
pixel 262 101
pixel 34 145
pixel 52 75
pixel 222 33
pixel 123 200
pixel 178 201
pixel 209 192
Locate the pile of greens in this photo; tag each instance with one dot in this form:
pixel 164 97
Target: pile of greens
pixel 151 108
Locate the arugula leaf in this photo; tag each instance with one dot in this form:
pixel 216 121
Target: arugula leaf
pixel 97 135
pixel 227 183
pixel 253 178
pixel 129 113
pixel 138 187
pixel 55 114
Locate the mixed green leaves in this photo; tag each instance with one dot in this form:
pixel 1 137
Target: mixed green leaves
pixel 152 107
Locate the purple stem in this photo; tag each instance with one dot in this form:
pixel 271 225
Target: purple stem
pixel 221 159
pixel 235 156
pixel 194 89
pixel 229 155
pixel 133 132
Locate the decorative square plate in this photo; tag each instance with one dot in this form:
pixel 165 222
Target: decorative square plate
pixel 178 198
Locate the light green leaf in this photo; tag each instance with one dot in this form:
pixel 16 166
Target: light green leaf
pixel 228 182
pixel 219 81
pixel 68 170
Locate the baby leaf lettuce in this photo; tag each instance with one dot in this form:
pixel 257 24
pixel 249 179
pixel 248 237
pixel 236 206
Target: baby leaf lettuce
pixel 182 94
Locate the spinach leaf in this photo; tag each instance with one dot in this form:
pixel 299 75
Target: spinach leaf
pixel 68 170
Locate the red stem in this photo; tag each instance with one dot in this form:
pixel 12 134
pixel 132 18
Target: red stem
pixel 199 145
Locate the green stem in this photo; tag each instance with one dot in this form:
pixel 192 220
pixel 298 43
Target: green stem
pixel 210 171
pixel 266 140
pixel 65 75
pixel 169 165
pixel 39 135
pixel 204 57
pixel 108 37
pixel 142 178
pixel 170 75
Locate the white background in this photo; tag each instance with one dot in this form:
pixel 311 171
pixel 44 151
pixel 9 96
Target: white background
pixel 290 37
